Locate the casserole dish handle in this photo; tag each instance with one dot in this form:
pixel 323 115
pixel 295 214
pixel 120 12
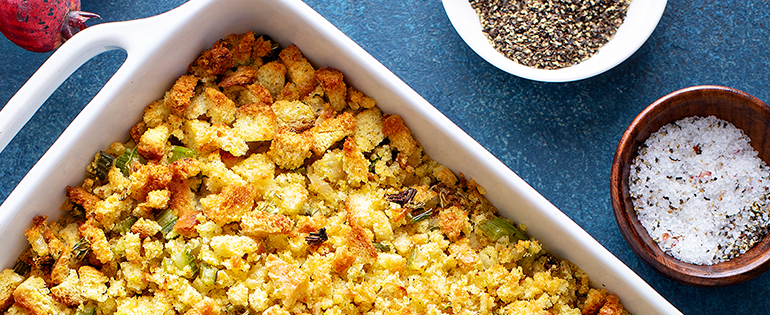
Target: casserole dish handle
pixel 136 37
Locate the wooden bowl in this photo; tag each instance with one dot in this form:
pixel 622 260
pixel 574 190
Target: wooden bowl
pixel 742 110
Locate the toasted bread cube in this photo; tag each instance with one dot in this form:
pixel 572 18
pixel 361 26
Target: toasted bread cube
pixel 260 224
pixel 218 175
pixel 290 282
pixel 368 131
pixel 258 170
pixel 272 76
pixel 34 296
pixel 289 150
pixel 214 61
pixel 241 47
pixel 254 93
pixel 358 100
pixel 229 205
pixel 199 136
pixel 332 82
pixel 256 122
pixel 147 178
pixel 9 280
pixel 294 114
pixel 152 144
pixel 244 75
pixel 354 163
pixel 99 244
pixel 400 136
pixel 178 98
pixel 300 71
pixel 156 113
pixel 330 131
pixel 221 109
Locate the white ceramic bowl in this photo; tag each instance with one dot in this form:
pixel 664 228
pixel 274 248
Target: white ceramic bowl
pixel 159 50
pixel 641 19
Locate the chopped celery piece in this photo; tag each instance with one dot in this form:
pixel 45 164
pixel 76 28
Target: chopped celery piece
pixel 381 247
pixel 185 262
pixel 123 162
pixel 166 220
pixel 101 165
pixel 86 310
pixel 21 267
pixel 178 153
pixel 207 274
pixel 125 225
pixel 497 227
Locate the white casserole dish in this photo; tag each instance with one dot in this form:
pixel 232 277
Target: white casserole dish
pixel 159 50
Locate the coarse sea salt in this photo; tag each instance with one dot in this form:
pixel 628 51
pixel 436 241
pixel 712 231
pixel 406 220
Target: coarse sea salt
pixel 700 190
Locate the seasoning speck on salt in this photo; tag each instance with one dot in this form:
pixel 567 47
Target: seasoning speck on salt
pixel 549 34
pixel 700 190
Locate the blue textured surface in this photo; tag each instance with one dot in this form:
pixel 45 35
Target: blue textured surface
pixel 560 138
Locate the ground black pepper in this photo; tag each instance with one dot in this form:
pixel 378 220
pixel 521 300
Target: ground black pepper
pixel 550 34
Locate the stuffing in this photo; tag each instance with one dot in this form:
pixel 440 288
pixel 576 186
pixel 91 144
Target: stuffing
pixel 330 131
pixel 229 205
pixel 258 184
pixel 289 150
pixel 9 280
pixel 256 122
pixel 298 69
pixel 178 98
pixel 334 87
pixel 272 76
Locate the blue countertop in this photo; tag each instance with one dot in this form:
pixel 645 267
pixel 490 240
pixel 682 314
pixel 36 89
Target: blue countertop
pixel 559 137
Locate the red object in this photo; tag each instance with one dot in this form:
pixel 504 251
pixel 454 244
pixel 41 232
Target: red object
pixel 41 25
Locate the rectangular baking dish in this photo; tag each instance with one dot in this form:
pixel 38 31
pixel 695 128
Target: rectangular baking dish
pixel 160 48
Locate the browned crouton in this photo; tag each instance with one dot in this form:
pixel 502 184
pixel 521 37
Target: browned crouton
pixel 256 122
pixel 242 76
pixel 301 72
pixel 368 132
pixel 95 236
pixel 82 197
pixel 9 280
pixel 289 92
pixel 221 109
pixel 400 136
pixel 241 46
pixel 358 100
pixel 178 98
pixel 260 223
pixel 34 296
pixel 334 87
pixel 354 162
pixel 289 150
pixel 272 76
pixel 290 281
pixel 452 221
pixel 147 178
pixel 214 61
pixel 612 306
pixel 255 93
pixel 152 144
pixel 229 205
pixel 330 131
pixel 262 47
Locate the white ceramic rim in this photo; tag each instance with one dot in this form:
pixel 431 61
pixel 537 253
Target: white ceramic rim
pixel 642 18
pixel 159 49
